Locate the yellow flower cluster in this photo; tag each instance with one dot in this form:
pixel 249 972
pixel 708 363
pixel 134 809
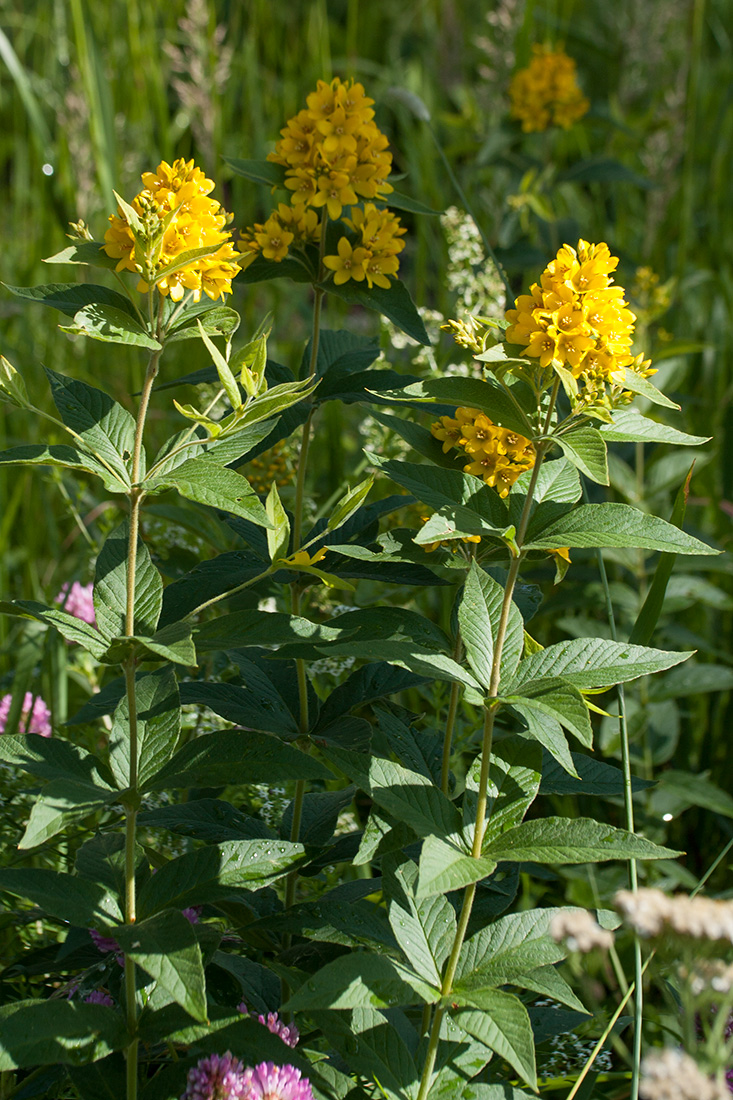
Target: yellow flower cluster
pixel 575 318
pixel 495 454
pixel 376 257
pixel 177 195
pixel 546 92
pixel 335 156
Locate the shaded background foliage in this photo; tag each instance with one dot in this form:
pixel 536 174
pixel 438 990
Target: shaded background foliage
pixel 91 95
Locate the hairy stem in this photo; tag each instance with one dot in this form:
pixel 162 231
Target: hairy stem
pixel 136 497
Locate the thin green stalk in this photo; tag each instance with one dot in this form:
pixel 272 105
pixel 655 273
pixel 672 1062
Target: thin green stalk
pixel 450 722
pixel 629 813
pixel 481 820
pixel 136 497
pixel 230 592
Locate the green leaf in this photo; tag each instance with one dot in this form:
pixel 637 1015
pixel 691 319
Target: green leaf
pixel 219 321
pixel 47 1032
pixel 652 607
pixel 216 872
pixel 419 438
pixel 75 630
pixel 362 980
pixel 258 171
pixel 571 840
pixel 549 982
pixel 261 628
pixel 53 758
pixel 677 790
pixel 514 780
pixel 203 480
pixel 638 384
pixel 226 378
pixel 425 929
pixel 405 202
pixel 497 401
pixel 586 448
pixel 277 399
pixel 349 503
pixel 110 586
pixel 278 534
pixel 479 614
pixel 629 426
pixel 506 950
pixel 593 525
pixel 103 1080
pixel 158 727
pixel 465 498
pixel 63 457
pixel 545 727
pixel 445 865
pixel 559 699
pixel 90 253
pixel 65 897
pixel 372 1046
pixel 111 325
pixel 231 756
pixel 209 819
pixel 408 795
pixel 165 947
pixel 105 428
pixel 594 777
pixel 600 169
pixel 69 298
pixel 394 303
pixel 61 802
pixel 256 704
pixel 503 1025
pixel 593 663
pixel 421 661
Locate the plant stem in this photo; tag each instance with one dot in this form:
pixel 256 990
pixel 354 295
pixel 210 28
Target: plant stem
pixel 450 722
pixel 481 821
pixel 136 497
pixel 629 813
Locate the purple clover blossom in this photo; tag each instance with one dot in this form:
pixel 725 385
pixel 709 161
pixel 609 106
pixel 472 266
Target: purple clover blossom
pixel 193 913
pixel 35 716
pixel 287 1032
pixel 99 997
pixel 78 601
pixel 218 1077
pixel 270 1082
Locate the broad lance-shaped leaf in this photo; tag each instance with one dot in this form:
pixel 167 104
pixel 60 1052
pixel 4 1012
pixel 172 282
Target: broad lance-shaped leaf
pixel 68 298
pixel 514 781
pixel 425 930
pixel 110 325
pixel 498 402
pixel 592 663
pixel 158 726
pixel 66 897
pixel 172 643
pixel 106 429
pixel 55 1031
pixel 246 628
pixel 545 727
pixel 69 626
pixel 508 948
pixel 561 700
pixel 217 871
pixel 63 457
pixel 61 802
pixel 503 1024
pixel 593 525
pixel 472 504
pixel 110 586
pixel 571 840
pixel 436 666
pixel 203 480
pixel 54 758
pixel 447 865
pixel 393 302
pixel 165 947
pixel 479 615
pixel 586 449
pixel 278 534
pixel 233 756
pixel 629 426
pixel 372 1045
pixel 408 795
pixel 362 980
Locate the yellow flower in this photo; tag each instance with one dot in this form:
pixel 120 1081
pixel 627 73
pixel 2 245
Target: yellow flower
pixel 577 319
pixel 199 222
pixel 349 264
pixel 497 455
pixel 547 92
